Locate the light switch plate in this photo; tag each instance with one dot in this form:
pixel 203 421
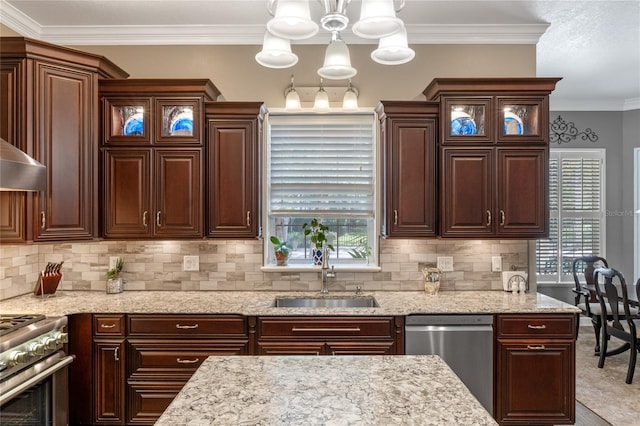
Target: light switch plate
pixel 445 263
pixel 496 263
pixel 191 263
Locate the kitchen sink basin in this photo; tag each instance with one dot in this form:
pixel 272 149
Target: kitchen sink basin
pixel 326 302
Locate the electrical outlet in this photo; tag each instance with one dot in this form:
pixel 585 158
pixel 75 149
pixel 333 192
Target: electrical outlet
pixel 496 263
pixel 445 263
pixel 191 263
pixel 112 262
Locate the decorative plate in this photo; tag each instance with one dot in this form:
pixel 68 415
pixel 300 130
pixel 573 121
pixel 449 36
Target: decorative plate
pixel 182 124
pixel 462 124
pixel 512 124
pixel 134 126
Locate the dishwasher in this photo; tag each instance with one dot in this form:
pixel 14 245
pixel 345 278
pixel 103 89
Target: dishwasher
pixel 464 342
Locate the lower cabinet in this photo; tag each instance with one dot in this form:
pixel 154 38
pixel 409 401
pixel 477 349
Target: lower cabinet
pixel 329 336
pixel 535 369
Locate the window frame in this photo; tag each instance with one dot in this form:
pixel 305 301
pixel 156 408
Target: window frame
pixel 373 264
pixel 575 153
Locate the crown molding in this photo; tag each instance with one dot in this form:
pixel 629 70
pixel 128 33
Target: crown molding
pixel 631 104
pixel 593 104
pixel 18 21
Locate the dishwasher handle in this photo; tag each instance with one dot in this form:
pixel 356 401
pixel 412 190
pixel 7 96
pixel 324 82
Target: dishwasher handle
pixel 447 328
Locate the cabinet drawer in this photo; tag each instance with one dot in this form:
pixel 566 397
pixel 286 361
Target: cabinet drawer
pixel 536 326
pixel 147 401
pixel 108 325
pixel 326 328
pixel 187 325
pixel 178 359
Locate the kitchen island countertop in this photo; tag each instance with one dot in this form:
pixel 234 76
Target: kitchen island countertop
pixel 346 390
pixel 261 303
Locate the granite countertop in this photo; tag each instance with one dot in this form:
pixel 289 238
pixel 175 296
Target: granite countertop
pixel 261 303
pixel 345 390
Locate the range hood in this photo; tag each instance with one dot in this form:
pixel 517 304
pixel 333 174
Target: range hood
pixel 18 171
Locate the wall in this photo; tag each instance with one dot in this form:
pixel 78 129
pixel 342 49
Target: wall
pixel 235 265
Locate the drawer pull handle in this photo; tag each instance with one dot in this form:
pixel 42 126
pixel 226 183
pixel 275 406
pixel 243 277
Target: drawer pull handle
pixel 395 217
pixel 248 218
pixel 107 325
pixel 535 348
pixel 187 361
pixel 158 223
pixel 488 218
pixel 116 354
pixel 354 329
pixel 43 220
pixel 502 217
pixel 537 327
pixel 186 327
pixel 144 218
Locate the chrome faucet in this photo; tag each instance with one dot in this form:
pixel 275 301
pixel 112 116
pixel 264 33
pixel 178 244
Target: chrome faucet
pixel 325 271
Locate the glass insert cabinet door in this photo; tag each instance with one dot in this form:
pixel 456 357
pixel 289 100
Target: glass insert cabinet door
pixel 176 120
pixel 467 120
pixel 127 121
pixel 521 119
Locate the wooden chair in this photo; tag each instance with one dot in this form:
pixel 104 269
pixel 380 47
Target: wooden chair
pixel 623 325
pixel 586 265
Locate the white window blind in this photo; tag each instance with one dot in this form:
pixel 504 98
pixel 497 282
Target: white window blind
pixel 576 219
pixel 322 165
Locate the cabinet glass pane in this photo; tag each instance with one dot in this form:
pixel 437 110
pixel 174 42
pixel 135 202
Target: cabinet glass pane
pixel 467 120
pixel 127 120
pixel 177 120
pixel 521 119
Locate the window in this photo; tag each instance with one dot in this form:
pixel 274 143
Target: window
pixel 636 225
pixel 322 166
pixel 576 212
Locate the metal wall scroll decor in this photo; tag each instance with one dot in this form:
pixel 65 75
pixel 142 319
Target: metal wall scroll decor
pixel 563 132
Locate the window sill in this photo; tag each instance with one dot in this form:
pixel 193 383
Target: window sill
pixel 314 268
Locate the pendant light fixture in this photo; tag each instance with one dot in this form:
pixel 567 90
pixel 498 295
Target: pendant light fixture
pixel 350 100
pixel 276 52
pixel 292 21
pixel 393 49
pixel 292 99
pixel 321 102
pixel 337 61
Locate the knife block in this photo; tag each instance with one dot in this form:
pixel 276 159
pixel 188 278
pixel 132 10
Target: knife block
pixel 47 284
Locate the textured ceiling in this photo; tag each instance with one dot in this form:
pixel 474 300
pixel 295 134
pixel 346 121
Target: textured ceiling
pixel 593 45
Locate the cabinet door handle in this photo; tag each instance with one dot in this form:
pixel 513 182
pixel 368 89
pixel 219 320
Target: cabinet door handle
pixel 535 348
pixel 158 218
pixel 116 354
pixel 501 217
pixel 248 218
pixel 107 325
pixel 488 218
pixel 43 220
pixel 354 329
pixel 537 327
pixel 187 361
pixel 144 218
pixel 186 327
pixel 395 217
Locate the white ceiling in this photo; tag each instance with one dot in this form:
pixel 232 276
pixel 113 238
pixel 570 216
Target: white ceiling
pixel 594 45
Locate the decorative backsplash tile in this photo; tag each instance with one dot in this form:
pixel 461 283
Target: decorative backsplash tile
pixel 235 265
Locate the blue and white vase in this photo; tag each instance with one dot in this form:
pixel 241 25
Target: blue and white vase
pixel 317 256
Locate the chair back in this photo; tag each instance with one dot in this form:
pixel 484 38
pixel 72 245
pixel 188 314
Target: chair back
pixel 610 294
pixel 585 265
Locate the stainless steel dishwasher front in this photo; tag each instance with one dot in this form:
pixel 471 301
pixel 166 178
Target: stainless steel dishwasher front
pixel 464 342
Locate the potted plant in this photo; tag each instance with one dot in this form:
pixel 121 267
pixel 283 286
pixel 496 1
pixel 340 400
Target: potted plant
pixel 317 233
pixel 114 281
pixel 281 250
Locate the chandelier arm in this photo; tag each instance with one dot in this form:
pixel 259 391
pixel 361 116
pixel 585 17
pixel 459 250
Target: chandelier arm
pixel 335 6
pixel 271 7
pixel 401 4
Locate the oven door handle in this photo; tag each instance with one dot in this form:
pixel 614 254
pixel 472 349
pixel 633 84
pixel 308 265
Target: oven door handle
pixel 30 379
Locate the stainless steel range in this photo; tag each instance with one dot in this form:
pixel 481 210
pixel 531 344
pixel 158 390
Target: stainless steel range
pixel 33 370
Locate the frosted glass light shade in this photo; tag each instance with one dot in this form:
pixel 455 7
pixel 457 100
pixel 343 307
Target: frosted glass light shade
pixel 393 50
pixel 276 52
pixel 292 20
pixel 337 62
pixel 292 101
pixel 321 102
pixel 350 100
pixel 377 19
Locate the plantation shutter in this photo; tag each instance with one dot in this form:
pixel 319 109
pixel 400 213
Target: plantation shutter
pixel 576 198
pixel 322 165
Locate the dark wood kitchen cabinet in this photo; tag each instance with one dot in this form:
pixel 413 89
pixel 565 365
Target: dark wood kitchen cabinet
pixel 535 369
pixel 409 153
pixel 49 102
pixel 109 369
pixel 494 149
pixel 330 336
pixel 152 157
pixel 234 168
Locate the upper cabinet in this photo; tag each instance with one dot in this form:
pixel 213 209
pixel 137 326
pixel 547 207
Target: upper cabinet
pixel 493 156
pixel 234 134
pixel 153 156
pixel 49 102
pixel 409 134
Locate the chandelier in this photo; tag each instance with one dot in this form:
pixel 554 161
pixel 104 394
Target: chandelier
pixel 292 21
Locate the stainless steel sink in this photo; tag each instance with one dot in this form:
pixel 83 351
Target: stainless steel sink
pixel 327 302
